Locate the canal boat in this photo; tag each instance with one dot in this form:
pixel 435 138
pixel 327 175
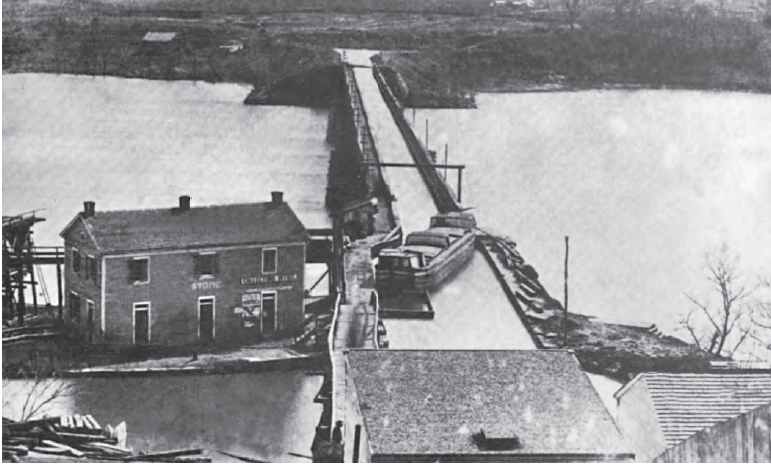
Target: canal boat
pixel 427 257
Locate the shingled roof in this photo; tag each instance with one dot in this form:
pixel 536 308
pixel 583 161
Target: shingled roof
pixel 418 404
pixel 174 228
pixel 688 403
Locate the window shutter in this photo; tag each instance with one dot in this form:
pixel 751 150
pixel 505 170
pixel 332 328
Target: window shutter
pixel 197 265
pixel 215 265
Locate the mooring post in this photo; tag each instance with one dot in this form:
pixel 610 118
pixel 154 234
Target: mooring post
pixel 460 184
pixel 356 442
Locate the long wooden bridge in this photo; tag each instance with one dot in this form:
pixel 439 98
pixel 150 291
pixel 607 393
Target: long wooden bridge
pixel 396 161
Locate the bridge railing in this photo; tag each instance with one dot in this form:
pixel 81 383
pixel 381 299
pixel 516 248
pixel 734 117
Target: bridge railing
pixel 444 198
pixel 366 143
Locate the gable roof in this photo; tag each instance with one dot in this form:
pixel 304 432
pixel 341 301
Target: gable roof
pixel 688 403
pixel 433 402
pixel 219 225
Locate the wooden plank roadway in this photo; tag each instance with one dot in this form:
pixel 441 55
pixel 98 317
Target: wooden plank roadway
pixel 356 325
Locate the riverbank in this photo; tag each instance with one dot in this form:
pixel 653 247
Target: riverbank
pixel 445 58
pixel 651 51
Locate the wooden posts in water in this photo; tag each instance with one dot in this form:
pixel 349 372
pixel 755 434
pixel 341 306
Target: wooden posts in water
pixel 33 284
pixel 21 304
pixel 59 283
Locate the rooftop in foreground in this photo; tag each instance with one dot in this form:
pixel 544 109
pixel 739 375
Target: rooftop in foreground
pixel 482 405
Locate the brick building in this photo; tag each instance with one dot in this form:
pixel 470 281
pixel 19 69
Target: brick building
pixel 225 274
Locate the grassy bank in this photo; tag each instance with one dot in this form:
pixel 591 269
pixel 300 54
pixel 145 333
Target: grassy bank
pixel 622 351
pixel 449 51
pixel 654 51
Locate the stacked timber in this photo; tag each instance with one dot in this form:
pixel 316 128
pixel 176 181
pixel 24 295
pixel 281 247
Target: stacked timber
pixel 77 437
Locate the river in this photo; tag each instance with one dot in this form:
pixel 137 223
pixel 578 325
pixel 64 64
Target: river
pixel 643 182
pixel 133 143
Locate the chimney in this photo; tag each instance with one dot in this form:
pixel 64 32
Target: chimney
pixel 89 209
pixel 278 198
pixel 184 203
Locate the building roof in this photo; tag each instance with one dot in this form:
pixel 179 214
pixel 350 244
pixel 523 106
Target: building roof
pixel 434 402
pixel 688 403
pixel 219 225
pixel 159 36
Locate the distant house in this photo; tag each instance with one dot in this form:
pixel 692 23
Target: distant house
pixel 475 406
pixel 223 274
pixel 656 411
pixel 233 46
pixel 158 43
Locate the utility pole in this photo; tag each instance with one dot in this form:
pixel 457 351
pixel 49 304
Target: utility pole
pixel 565 319
pixel 413 113
pixel 426 134
pixel 445 161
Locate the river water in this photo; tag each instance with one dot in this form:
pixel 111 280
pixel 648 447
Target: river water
pixel 132 143
pixel 643 182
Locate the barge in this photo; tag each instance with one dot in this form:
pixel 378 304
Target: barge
pixel 427 257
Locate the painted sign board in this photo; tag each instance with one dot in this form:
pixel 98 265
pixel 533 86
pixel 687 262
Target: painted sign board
pixel 268 279
pixel 206 285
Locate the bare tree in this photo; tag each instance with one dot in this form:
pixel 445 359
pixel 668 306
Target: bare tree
pixel 38 392
pixel 762 316
pixel 723 327
pixel 574 9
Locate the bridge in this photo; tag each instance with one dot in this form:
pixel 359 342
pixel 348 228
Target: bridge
pixel 487 305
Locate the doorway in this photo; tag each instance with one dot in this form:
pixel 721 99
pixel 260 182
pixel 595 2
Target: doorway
pixel 90 321
pixel 206 319
pixel 268 313
pixel 142 324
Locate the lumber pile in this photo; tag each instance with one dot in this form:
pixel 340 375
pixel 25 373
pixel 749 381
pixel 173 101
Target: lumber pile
pixel 76 438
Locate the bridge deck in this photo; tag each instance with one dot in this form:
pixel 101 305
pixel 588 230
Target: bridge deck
pixel 413 200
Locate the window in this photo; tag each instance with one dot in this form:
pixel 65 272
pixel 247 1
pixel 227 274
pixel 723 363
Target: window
pixel 75 261
pixel 90 268
pixel 74 307
pixel 269 261
pixel 92 264
pixel 206 265
pixel 139 270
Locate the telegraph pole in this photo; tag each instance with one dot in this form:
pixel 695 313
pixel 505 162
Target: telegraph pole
pixel 426 134
pixel 565 319
pixel 445 161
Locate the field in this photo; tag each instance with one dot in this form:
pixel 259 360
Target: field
pixel 450 49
